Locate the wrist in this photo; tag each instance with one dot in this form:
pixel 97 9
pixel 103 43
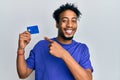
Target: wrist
pixel 64 55
pixel 20 51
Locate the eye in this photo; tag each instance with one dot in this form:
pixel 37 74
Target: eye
pixel 74 20
pixel 64 20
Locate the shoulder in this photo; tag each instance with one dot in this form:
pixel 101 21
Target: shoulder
pixel 42 43
pixel 80 44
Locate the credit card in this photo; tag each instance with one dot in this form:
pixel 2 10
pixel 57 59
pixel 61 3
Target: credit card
pixel 33 29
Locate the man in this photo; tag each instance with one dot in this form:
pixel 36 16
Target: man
pixel 59 58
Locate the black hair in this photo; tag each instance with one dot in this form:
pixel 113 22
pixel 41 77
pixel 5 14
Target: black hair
pixel 67 6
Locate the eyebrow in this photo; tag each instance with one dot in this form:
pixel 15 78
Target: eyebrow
pixel 67 18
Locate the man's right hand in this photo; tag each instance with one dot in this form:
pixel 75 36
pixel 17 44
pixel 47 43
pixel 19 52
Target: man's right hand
pixel 24 39
pixel 22 69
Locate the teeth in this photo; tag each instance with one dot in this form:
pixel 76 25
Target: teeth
pixel 69 31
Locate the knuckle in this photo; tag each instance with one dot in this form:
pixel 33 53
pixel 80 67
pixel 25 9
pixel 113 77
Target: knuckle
pixel 50 51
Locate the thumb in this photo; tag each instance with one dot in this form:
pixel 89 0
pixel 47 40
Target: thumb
pixel 49 40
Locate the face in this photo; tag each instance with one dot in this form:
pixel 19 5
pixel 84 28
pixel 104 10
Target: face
pixel 67 25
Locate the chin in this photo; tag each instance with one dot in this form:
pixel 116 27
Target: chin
pixel 67 38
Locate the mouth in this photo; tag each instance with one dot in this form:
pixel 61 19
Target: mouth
pixel 69 31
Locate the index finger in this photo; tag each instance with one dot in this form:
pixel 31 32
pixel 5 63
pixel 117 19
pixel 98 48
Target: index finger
pixel 49 40
pixel 26 32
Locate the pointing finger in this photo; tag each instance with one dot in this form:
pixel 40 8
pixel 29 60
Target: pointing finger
pixel 49 40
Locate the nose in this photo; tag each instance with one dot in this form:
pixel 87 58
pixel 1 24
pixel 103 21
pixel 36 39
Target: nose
pixel 69 24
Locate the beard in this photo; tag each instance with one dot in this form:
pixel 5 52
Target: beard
pixel 61 34
pixel 66 38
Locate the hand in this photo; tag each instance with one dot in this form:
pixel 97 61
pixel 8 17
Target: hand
pixel 55 49
pixel 24 39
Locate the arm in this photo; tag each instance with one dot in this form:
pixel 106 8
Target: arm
pixel 22 69
pixel 78 72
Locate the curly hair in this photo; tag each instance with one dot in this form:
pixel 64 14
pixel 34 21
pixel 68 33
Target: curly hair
pixel 62 8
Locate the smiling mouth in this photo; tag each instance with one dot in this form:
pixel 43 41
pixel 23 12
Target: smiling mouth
pixel 69 31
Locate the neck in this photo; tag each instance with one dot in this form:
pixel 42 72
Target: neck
pixel 63 41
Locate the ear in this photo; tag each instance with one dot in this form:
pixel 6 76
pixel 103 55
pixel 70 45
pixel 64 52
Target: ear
pixel 57 25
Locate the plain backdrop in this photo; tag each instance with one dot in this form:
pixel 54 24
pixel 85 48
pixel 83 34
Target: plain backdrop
pixel 99 28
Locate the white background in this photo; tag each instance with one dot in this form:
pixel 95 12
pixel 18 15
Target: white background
pixel 98 28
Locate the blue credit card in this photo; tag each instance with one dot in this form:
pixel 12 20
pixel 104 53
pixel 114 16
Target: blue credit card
pixel 33 29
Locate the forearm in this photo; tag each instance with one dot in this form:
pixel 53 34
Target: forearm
pixel 78 72
pixel 21 64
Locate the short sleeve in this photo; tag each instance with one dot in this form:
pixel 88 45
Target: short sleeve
pixel 31 60
pixel 85 59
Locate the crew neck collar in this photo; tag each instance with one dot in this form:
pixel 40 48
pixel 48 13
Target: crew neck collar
pixel 62 43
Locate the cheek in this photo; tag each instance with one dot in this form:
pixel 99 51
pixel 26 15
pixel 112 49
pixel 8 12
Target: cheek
pixel 75 26
pixel 61 27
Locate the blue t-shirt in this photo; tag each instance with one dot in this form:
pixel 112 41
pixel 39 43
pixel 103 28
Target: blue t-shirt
pixel 48 67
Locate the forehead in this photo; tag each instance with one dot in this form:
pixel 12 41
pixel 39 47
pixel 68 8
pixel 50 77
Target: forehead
pixel 68 14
